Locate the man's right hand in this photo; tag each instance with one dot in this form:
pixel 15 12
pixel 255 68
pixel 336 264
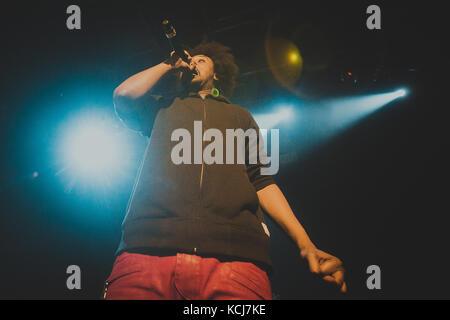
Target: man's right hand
pixel 177 63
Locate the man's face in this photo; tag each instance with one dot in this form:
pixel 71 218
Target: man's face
pixel 202 71
pixel 203 68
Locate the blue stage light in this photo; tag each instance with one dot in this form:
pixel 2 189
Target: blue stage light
pixel 323 119
pixel 282 114
pixel 93 150
pixel 401 92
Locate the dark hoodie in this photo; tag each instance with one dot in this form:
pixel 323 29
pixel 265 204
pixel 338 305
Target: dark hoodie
pixel 211 210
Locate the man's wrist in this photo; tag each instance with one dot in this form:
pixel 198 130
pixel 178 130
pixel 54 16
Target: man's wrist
pixel 305 246
pixel 166 65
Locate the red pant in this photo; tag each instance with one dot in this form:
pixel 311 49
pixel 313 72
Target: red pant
pixel 140 276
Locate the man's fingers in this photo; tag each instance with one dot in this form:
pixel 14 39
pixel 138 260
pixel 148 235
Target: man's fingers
pixel 188 55
pixel 184 65
pixel 344 288
pixel 179 63
pixel 313 263
pixel 336 278
pixel 329 279
pixel 339 277
pixel 330 266
pixel 332 270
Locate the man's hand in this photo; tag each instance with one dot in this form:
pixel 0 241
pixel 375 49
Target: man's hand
pixel 325 265
pixel 177 63
pixel 321 263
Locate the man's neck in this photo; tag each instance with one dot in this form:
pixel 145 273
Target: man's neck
pixel 204 93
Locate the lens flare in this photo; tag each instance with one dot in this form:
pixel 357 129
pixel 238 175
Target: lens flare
pixel 294 57
pixel 285 61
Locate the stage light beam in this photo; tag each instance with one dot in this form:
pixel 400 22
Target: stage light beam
pixel 310 124
pixel 343 112
pixel 270 120
pixel 401 92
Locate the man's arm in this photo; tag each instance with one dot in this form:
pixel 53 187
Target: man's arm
pixel 276 206
pixel 138 85
pixel 132 98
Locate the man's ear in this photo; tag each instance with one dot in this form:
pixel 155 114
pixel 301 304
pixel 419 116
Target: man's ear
pixel 215 77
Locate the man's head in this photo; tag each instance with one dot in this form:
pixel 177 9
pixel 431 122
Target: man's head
pixel 203 74
pixel 214 67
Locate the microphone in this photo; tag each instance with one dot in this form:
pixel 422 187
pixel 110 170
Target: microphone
pixel 171 35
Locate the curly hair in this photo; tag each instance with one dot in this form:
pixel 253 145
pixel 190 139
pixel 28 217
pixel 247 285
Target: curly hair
pixel 224 65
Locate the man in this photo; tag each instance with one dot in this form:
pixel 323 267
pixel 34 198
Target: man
pixel 196 230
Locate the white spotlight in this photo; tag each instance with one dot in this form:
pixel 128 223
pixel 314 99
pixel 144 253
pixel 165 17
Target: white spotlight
pixel 401 92
pixel 93 150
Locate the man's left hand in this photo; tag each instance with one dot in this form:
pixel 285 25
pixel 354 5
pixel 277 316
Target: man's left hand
pixel 329 267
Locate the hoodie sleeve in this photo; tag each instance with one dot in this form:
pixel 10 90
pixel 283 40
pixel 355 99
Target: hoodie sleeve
pixel 258 180
pixel 139 116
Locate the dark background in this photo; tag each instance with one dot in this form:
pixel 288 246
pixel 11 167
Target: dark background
pixel 374 194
